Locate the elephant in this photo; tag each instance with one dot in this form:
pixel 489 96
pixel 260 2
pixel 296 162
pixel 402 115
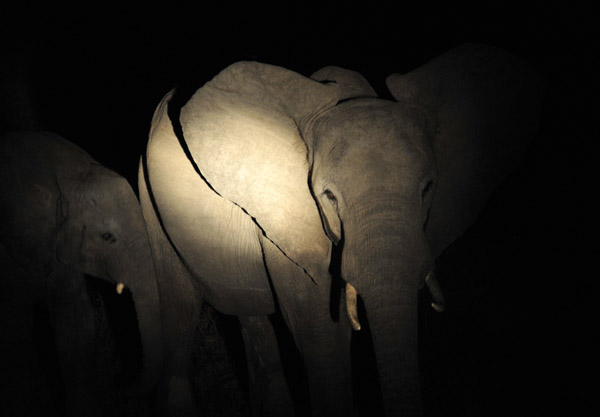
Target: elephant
pixel 254 185
pixel 63 216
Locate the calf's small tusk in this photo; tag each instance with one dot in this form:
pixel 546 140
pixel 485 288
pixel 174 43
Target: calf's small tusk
pixel 438 303
pixel 120 287
pixel 351 306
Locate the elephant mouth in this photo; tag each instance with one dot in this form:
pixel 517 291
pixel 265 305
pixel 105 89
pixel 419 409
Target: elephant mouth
pixel 438 302
pixel 118 333
pixel 119 286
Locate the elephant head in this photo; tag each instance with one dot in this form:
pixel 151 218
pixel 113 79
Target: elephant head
pixel 61 206
pixel 322 160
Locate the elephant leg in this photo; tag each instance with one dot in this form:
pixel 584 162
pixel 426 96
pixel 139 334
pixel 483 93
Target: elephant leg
pixel 21 378
pixel 23 389
pixel 180 309
pixel 74 333
pixel 269 392
pixel 175 389
pixel 323 343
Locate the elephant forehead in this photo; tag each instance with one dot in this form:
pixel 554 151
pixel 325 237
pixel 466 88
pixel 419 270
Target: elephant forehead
pixel 372 123
pixel 375 138
pixel 108 196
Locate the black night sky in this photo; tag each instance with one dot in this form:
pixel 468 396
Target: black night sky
pixel 517 336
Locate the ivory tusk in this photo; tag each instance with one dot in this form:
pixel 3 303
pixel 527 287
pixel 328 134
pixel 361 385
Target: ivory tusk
pixel 438 303
pixel 120 287
pixel 351 306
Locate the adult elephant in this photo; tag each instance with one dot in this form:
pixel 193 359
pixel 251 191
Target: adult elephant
pixel 63 215
pixel 253 178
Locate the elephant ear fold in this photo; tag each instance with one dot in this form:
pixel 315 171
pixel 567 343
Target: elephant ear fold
pixel 70 236
pixel 349 84
pixel 62 211
pixel 242 132
pixel 483 106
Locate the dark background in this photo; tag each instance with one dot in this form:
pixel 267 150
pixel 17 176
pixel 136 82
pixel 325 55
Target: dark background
pixel 517 336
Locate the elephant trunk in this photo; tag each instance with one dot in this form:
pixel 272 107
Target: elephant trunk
pixel 393 321
pixel 394 261
pixel 144 290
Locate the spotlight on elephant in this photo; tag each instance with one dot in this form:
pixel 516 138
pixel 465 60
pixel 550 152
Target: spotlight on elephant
pixel 254 177
pixel 64 215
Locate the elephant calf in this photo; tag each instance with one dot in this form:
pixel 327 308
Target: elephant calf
pixel 63 215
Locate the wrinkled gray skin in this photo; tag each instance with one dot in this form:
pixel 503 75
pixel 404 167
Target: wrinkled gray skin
pixel 263 169
pixel 63 215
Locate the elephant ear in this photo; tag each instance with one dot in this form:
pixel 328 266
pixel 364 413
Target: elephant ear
pixel 241 129
pixel 483 106
pixel 70 234
pixel 350 84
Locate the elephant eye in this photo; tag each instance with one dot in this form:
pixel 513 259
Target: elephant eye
pixel 330 195
pixel 109 237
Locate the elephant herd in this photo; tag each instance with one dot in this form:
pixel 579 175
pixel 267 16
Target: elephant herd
pixel 250 189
